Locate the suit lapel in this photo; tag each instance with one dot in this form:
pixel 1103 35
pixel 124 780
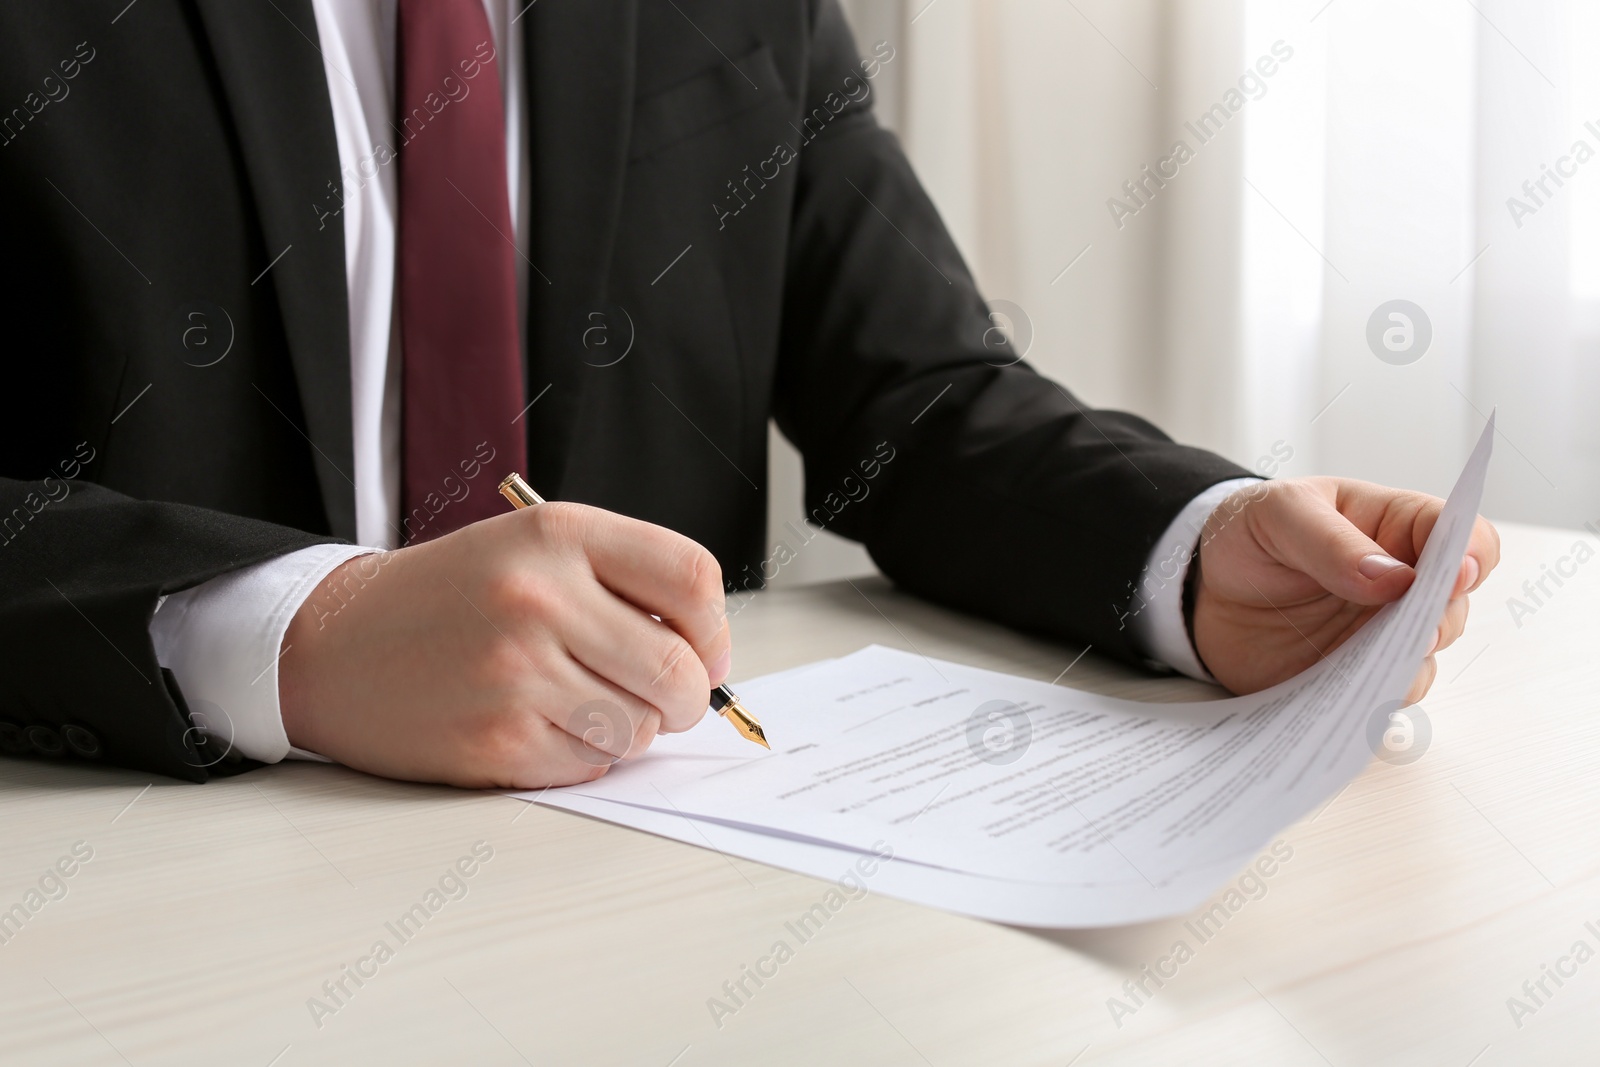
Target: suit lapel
pixel 580 79
pixel 272 75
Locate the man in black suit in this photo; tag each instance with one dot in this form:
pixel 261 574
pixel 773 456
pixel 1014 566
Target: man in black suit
pixel 251 324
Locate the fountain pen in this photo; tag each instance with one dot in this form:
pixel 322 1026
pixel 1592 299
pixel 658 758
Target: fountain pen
pixel 723 701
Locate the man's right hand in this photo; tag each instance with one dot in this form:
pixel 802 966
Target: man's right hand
pixel 518 652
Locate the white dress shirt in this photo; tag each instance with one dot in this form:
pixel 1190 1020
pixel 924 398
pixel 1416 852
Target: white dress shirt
pixel 223 639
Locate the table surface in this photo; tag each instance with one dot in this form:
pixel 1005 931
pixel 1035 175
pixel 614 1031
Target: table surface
pixel 1413 906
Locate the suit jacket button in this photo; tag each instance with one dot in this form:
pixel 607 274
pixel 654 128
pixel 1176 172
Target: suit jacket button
pixel 45 741
pixel 81 740
pixel 13 742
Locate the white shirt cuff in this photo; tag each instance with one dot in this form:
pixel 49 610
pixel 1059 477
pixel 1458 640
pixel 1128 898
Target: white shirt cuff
pixel 1157 608
pixel 222 641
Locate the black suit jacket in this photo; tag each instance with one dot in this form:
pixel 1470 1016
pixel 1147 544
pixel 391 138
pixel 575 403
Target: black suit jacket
pixel 175 391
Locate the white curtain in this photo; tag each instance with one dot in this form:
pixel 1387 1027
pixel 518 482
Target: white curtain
pixel 1340 156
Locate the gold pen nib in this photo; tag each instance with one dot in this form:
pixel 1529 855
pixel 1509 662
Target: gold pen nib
pixel 727 705
pixel 745 723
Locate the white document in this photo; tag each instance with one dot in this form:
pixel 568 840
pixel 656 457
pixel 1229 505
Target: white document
pixel 1021 801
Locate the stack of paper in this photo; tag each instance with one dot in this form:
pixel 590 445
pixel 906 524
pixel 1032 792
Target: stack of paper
pixel 1025 802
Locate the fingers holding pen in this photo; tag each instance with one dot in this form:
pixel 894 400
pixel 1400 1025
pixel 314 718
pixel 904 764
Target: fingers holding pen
pixel 667 575
pixel 640 656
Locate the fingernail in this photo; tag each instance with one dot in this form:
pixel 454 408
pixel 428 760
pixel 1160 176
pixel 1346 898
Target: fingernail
pixel 1377 565
pixel 1470 568
pixel 1432 645
pixel 722 667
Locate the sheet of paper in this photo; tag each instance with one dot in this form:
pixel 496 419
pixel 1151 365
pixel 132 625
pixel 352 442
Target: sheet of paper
pixel 1022 801
pixel 996 899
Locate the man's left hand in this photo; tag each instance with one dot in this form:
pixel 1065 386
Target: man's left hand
pixel 1290 575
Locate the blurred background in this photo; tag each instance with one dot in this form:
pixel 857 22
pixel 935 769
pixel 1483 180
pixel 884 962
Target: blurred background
pixel 1384 222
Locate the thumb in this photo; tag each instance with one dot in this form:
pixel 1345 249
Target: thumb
pixel 1315 538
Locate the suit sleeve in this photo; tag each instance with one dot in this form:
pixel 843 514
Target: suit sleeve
pixel 972 480
pixel 82 569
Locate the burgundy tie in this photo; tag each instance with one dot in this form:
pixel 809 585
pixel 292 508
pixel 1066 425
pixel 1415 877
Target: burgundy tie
pixel 461 383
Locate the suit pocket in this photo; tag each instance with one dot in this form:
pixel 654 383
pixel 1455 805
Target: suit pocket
pixel 705 101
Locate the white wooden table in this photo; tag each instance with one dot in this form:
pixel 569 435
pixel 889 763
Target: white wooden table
pixel 1412 908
